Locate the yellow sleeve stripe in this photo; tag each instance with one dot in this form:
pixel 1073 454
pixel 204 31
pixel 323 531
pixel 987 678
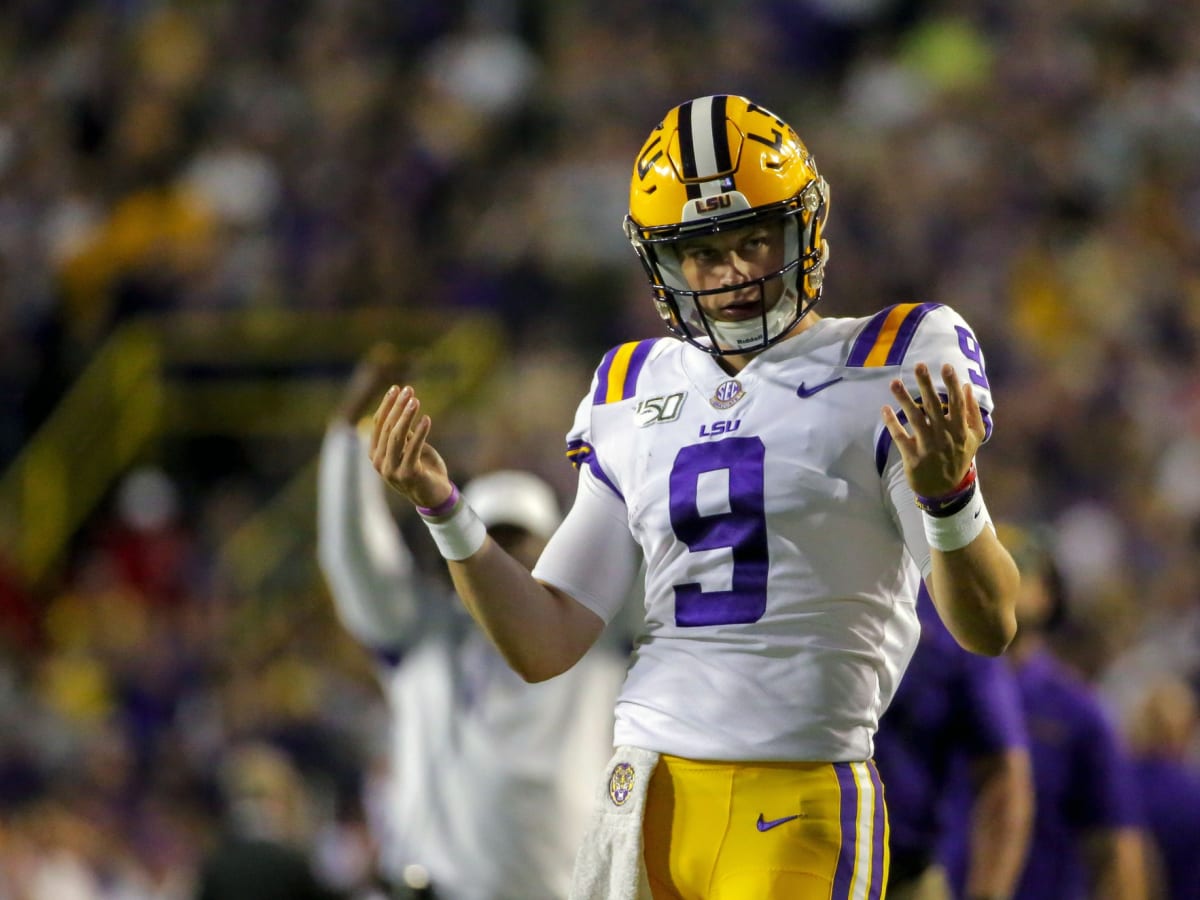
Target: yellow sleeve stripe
pixel 888 335
pixel 617 377
pixel 618 371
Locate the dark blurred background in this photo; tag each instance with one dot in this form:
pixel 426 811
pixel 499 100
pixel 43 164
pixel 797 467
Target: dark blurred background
pixel 209 210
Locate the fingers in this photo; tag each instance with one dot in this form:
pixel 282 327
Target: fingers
pixel 395 432
pixel 904 441
pixel 954 392
pixel 936 410
pixel 917 420
pixel 385 407
pixel 393 420
pixel 974 414
pixel 415 444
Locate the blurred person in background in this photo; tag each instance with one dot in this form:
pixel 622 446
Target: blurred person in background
pixel 1088 839
pixel 955 715
pixel 264 853
pixel 786 513
pixel 489 788
pixel 1162 740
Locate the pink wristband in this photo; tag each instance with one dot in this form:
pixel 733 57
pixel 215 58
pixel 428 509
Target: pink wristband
pixel 444 508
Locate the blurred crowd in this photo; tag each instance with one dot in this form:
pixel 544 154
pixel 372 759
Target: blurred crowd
pixel 1031 163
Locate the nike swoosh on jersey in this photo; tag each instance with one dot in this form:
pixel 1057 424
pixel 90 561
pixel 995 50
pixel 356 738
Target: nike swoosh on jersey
pixel 805 392
pixel 763 825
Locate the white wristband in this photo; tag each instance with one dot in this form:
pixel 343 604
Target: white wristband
pixel 955 532
pixel 460 535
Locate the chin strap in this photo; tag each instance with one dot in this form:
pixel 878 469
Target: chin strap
pixel 749 335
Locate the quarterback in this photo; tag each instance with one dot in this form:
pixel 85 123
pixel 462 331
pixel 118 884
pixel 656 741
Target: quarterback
pixel 787 480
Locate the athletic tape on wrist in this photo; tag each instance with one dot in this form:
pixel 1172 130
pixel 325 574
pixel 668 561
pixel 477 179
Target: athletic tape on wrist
pixel 946 533
pixel 460 535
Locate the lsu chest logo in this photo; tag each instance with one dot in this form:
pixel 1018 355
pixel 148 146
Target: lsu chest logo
pixel 654 410
pixel 726 426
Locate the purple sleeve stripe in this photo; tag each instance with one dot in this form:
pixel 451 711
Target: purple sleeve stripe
pixel 883 446
pixel 866 339
pixel 844 873
pixel 888 335
pixel 594 465
pixel 602 375
pixel 987 424
pixel 578 452
pixel 636 361
pixel 581 453
pixel 906 332
pixel 616 379
pixel 879 838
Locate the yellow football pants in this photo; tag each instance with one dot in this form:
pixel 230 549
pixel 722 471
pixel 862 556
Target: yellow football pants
pixel 765 831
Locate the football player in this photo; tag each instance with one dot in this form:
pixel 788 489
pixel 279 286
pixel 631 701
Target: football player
pixel 788 479
pixel 487 790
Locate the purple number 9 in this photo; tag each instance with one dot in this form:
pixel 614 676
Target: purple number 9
pixel 970 348
pixel 742 528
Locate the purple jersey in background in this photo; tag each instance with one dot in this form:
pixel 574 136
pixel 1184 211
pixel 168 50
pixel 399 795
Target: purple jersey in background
pixel 1082 778
pixel 952 706
pixel 1170 796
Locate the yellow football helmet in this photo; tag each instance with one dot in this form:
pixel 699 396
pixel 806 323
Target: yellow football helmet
pixel 714 164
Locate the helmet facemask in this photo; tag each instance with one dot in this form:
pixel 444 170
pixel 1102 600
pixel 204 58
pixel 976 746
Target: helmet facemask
pixel 801 274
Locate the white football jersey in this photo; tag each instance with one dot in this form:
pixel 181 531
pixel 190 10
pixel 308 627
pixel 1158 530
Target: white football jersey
pixel 782 545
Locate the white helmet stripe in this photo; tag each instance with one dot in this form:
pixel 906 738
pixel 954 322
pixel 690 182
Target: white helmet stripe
pixel 704 146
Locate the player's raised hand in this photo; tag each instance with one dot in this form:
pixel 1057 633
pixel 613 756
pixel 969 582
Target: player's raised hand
pixel 939 444
pixel 380 366
pixel 401 453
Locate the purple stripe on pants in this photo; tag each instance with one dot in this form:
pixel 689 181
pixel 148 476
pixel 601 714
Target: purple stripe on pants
pixel 844 873
pixel 878 833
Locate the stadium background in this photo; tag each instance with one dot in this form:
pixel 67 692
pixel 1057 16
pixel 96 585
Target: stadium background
pixel 210 210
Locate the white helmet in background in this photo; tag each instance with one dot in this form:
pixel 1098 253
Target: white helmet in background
pixel 511 497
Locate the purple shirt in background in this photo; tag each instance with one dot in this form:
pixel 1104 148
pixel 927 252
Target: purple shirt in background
pixel 1082 777
pixel 951 707
pixel 1170 797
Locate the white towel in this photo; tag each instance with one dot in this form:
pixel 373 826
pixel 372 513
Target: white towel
pixel 610 864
